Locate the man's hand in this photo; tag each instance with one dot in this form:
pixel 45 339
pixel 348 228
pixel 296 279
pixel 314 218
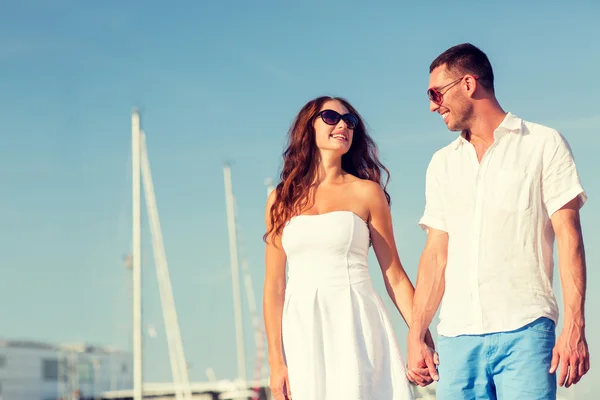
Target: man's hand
pixel 572 350
pixel 422 361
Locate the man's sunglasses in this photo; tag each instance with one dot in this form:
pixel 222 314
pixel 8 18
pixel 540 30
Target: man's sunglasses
pixel 436 95
pixel 331 117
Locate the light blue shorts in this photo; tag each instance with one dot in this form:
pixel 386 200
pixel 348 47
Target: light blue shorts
pixel 504 366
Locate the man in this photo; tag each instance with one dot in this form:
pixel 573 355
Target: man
pixel 496 199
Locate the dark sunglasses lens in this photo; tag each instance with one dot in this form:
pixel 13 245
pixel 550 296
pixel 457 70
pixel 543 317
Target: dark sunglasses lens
pixel 350 120
pixel 434 96
pixel 330 117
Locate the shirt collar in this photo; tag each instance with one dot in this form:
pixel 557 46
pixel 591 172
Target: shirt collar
pixel 510 124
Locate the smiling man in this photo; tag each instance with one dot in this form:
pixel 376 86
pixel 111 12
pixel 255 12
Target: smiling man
pixel 497 197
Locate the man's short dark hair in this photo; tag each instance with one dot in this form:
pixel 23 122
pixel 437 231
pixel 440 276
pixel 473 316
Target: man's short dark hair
pixel 467 59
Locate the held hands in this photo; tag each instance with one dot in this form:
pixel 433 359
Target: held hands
pixel 422 360
pixel 279 383
pixel 572 350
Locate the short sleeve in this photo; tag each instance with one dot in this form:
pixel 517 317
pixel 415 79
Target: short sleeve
pixel 434 216
pixel 560 179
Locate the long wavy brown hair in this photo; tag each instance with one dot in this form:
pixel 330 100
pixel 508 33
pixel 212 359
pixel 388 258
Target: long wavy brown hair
pixel 301 159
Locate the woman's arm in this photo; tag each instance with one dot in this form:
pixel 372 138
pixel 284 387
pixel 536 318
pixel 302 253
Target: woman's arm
pixel 273 299
pixel 397 283
pixel 274 290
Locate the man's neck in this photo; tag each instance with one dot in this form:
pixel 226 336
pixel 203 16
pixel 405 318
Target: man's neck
pixel 485 123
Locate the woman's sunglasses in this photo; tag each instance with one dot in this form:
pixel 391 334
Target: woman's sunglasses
pixel 436 95
pixel 331 117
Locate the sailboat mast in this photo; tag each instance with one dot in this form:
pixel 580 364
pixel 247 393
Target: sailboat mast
pixel 136 257
pixel 235 278
pixel 173 333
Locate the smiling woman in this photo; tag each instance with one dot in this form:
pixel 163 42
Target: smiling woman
pixel 328 332
pixel 313 129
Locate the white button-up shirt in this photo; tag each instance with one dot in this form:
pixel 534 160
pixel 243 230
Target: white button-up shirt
pixel 497 214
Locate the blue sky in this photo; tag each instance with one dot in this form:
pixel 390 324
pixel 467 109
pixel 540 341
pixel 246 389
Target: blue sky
pixel 222 81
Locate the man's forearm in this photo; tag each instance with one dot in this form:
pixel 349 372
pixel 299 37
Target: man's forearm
pixel 571 347
pixel 428 293
pixel 571 260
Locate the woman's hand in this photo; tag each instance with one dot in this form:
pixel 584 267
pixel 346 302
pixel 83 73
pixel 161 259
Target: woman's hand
pixel 279 383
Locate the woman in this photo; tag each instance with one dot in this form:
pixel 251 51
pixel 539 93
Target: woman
pixel 328 333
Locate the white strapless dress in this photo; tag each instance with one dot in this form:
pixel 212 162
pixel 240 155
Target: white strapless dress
pixel 337 338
